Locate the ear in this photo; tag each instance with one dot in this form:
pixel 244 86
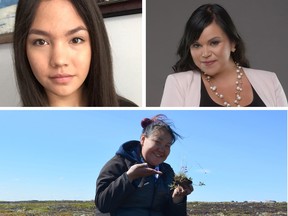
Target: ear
pixel 142 139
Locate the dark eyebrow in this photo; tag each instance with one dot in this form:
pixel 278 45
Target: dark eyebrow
pixel 159 138
pixel 214 38
pixel 45 33
pixel 75 30
pixel 38 32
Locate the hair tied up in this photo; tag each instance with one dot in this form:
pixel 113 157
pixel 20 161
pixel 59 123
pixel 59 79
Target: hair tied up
pixel 145 122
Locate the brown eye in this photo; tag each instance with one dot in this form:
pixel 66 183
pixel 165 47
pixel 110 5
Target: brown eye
pixel 40 42
pixel 195 45
pixel 215 43
pixel 77 40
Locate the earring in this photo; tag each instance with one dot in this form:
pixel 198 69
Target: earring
pixel 233 50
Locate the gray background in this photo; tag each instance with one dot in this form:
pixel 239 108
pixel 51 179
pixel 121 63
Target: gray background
pixel 262 24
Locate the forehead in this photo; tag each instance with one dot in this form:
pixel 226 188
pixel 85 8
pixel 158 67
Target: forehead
pixel 211 31
pixel 55 15
pixel 162 134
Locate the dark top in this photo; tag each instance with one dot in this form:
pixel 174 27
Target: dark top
pixel 206 100
pixel 123 102
pixel 116 195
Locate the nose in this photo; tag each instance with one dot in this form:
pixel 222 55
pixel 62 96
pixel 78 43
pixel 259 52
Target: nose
pixel 206 52
pixel 59 55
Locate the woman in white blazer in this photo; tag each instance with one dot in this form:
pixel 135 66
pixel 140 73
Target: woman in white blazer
pixel 213 70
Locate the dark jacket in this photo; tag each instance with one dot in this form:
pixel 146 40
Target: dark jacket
pixel 115 194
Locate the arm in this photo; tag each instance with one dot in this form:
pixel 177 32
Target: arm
pixel 177 203
pixel 119 179
pixel 179 209
pixel 281 100
pixel 112 185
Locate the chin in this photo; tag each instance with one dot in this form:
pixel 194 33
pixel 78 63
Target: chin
pixel 155 163
pixel 210 72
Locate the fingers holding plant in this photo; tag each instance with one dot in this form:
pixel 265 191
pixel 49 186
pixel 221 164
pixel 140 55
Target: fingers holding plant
pixel 181 186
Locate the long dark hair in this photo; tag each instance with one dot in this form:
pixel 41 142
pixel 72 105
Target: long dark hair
pixel 199 20
pixel 99 84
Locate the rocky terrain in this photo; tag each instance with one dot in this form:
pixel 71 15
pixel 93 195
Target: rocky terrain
pixel 87 208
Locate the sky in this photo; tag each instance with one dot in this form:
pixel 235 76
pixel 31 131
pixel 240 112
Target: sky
pixel 57 155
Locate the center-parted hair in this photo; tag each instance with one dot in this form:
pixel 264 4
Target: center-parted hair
pixel 99 84
pixel 198 21
pixel 158 122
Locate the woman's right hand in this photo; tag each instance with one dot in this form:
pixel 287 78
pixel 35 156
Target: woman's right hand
pixel 140 170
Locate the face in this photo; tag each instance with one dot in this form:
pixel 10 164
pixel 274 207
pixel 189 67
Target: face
pixel 212 51
pixel 156 147
pixel 58 49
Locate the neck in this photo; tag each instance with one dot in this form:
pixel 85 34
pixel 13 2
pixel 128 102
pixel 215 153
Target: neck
pixel 227 85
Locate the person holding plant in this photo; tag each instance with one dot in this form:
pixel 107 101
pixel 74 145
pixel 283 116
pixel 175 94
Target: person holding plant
pixel 137 181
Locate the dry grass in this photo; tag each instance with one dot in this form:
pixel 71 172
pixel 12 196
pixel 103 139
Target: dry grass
pixel 87 208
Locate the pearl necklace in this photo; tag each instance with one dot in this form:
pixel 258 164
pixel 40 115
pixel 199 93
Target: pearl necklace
pixel 237 91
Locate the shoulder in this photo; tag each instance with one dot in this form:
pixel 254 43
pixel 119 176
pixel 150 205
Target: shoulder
pixel 182 89
pixel 114 168
pixel 115 163
pixel 183 79
pixel 266 80
pixel 124 102
pixel 268 86
pixel 184 75
pixel 262 74
pixel 167 168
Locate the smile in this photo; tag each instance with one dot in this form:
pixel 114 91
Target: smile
pixel 158 155
pixel 208 63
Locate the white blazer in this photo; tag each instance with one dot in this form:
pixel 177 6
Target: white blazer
pixel 183 89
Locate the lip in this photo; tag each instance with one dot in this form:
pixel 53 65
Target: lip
pixel 208 63
pixel 61 78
